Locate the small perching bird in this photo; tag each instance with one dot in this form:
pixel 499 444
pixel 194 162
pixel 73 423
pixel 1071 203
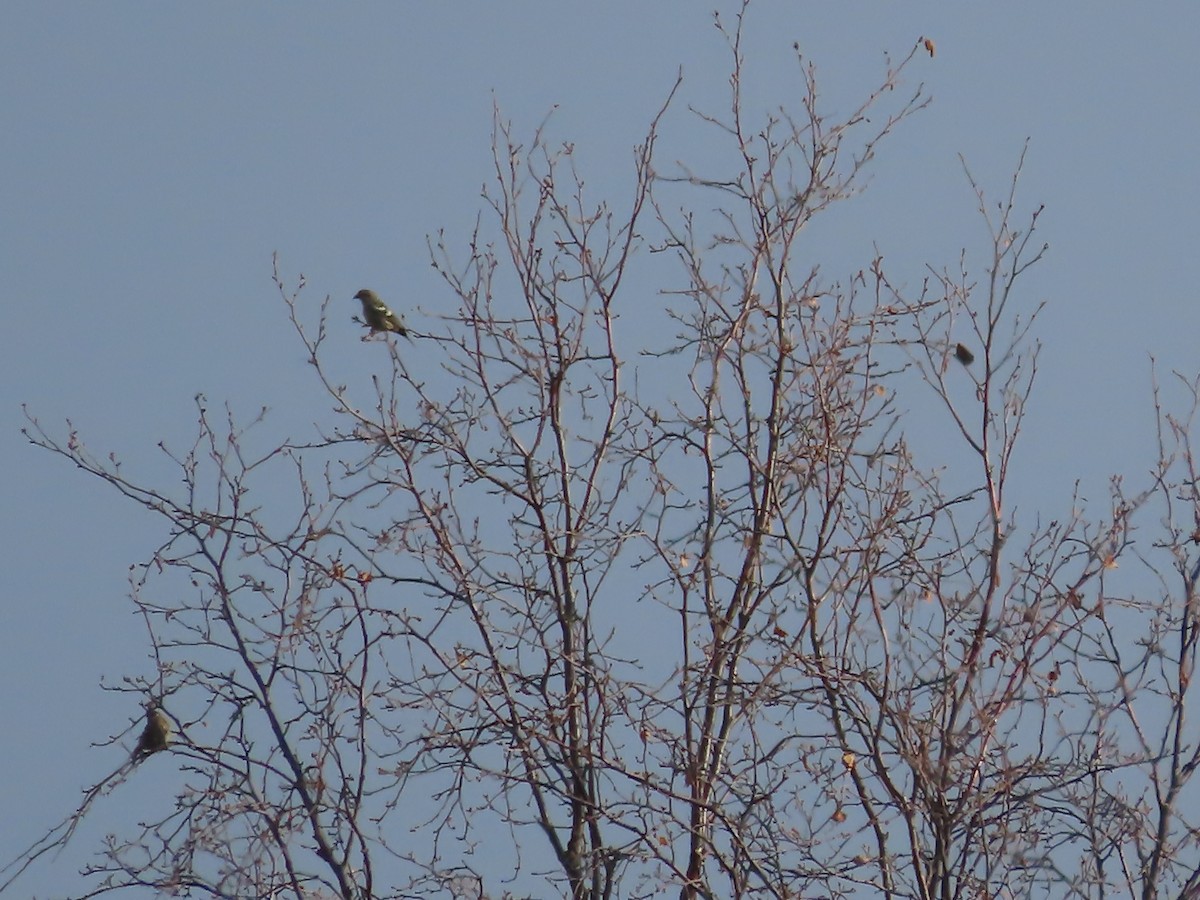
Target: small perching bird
pixel 964 355
pixel 377 315
pixel 155 735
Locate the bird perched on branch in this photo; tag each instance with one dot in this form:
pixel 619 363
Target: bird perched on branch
pixel 155 735
pixel 377 315
pixel 964 355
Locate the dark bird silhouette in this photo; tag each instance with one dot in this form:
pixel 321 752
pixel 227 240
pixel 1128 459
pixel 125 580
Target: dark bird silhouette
pixel 964 355
pixel 155 735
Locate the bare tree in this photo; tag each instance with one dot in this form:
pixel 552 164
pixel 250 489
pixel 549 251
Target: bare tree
pixel 605 592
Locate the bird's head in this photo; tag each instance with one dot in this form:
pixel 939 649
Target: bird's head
pixel 366 296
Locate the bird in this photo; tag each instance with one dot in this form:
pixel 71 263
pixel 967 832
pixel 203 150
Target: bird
pixel 964 355
pixel 155 735
pixel 377 315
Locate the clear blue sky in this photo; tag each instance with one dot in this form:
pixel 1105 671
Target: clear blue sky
pixel 153 157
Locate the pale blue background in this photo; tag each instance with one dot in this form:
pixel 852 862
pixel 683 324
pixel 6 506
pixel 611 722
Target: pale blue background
pixel 153 156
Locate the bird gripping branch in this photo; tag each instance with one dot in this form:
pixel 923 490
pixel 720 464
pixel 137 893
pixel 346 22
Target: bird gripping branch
pixel 155 735
pixel 377 314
